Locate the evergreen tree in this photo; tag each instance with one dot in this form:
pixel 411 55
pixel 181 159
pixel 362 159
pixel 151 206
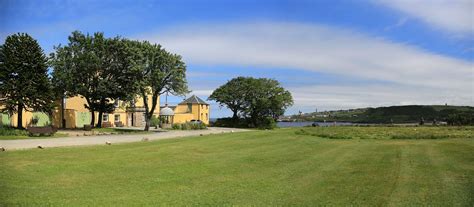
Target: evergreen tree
pixel 24 82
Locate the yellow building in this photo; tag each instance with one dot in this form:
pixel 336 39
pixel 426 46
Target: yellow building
pixel 76 115
pixel 192 108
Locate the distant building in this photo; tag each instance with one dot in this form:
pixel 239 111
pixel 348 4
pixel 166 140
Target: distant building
pixel 193 108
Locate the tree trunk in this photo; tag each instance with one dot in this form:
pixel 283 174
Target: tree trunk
pixel 89 104
pixel 92 118
pixel 19 123
pixel 101 112
pixel 147 123
pixel 99 123
pixel 63 124
pixel 235 117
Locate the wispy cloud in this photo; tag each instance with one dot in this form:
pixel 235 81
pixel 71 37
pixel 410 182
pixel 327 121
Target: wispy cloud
pixel 315 48
pixel 450 15
pixel 329 50
pixel 399 23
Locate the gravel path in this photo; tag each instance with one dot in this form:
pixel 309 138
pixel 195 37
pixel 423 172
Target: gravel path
pixel 112 139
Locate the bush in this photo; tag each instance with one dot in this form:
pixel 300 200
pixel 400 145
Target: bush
pixel 460 119
pixel 262 123
pixel 266 123
pixel 229 122
pixel 189 126
pixel 155 121
pixel 176 126
pixel 8 131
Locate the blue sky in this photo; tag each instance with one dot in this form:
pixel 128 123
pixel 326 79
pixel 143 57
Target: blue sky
pixel 329 54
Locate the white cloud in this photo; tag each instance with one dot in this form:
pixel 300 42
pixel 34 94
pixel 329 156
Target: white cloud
pixel 345 97
pixel 329 50
pixel 315 48
pixel 451 15
pixel 400 23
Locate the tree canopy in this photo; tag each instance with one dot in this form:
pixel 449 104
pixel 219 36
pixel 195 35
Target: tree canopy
pixel 258 100
pixel 160 72
pixel 97 68
pixel 231 95
pixel 24 82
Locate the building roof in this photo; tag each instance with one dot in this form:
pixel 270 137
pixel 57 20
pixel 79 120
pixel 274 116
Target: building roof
pixel 194 100
pixel 166 111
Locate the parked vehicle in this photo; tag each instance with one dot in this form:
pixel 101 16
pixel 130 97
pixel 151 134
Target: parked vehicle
pixel 193 121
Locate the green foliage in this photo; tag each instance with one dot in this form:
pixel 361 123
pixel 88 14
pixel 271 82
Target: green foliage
pixel 8 131
pixel 231 95
pixel 257 100
pixel 159 71
pixel 97 68
pixel 266 123
pixel 155 121
pixel 460 119
pixel 24 82
pixel 176 126
pixel 231 122
pixel 189 126
pixel 397 114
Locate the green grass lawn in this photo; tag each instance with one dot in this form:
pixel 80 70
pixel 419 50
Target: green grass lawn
pixel 10 137
pixel 7 133
pixel 376 166
pixel 120 131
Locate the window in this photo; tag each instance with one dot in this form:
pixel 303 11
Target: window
pixel 207 116
pixel 202 106
pixel 105 118
pixel 117 117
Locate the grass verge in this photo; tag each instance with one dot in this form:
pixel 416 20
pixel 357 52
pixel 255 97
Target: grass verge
pixel 258 168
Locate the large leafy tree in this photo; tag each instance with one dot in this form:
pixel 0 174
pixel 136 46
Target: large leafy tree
pixel 97 68
pixel 255 99
pixel 160 72
pixel 231 95
pixel 24 82
pixel 264 99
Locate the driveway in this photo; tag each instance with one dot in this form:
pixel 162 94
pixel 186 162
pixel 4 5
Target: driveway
pixel 112 139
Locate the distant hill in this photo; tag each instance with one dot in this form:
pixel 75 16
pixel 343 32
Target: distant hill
pixel 391 114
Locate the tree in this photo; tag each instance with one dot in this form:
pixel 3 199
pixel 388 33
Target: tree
pixel 24 82
pixel 265 101
pixel 97 68
pixel 231 95
pixel 259 100
pixel 161 72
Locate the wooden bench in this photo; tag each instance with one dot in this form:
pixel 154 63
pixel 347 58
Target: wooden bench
pixel 88 127
pixel 41 131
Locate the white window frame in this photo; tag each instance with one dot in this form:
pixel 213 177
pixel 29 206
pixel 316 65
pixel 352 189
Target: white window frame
pixel 117 116
pixel 105 117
